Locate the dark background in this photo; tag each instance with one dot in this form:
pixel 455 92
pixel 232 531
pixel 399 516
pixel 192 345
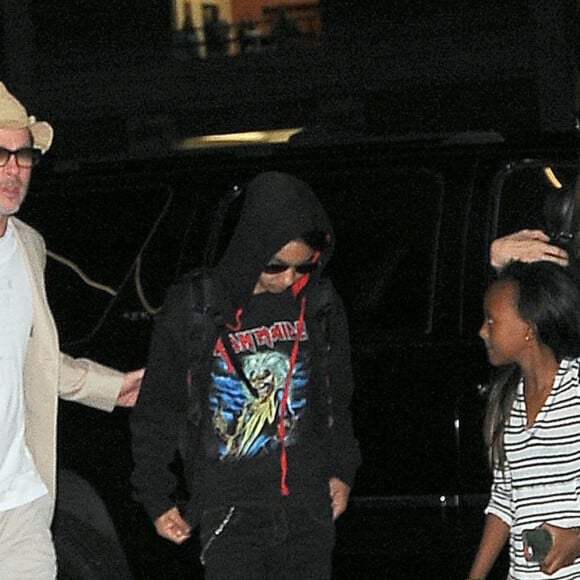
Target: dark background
pixel 106 75
pixel 426 127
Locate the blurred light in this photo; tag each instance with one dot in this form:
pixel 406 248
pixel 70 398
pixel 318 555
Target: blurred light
pixel 231 139
pixel 554 181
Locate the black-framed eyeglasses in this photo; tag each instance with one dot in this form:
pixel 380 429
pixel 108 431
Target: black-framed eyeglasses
pixel 25 157
pixel 305 268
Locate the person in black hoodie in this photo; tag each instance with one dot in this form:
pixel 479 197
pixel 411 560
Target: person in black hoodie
pixel 273 457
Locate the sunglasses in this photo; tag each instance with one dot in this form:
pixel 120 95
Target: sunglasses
pixel 305 268
pixel 25 157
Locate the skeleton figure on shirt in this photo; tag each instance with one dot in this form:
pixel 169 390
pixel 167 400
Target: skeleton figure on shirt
pixel 247 431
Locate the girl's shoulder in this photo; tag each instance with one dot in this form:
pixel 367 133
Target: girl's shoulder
pixel 570 366
pixel 568 374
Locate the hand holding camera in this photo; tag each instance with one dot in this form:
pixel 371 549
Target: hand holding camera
pixel 552 546
pixel 537 543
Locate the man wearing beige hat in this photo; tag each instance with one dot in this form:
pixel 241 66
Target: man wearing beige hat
pixel 33 372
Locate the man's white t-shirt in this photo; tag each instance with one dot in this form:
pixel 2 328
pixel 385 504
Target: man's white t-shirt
pixel 20 482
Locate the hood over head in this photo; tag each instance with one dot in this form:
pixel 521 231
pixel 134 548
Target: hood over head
pixel 277 208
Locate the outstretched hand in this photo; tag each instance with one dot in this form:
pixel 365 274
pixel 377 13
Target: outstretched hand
pixel 565 549
pixel 526 246
pixel 130 388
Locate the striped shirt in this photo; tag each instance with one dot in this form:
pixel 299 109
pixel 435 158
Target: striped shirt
pixel 541 478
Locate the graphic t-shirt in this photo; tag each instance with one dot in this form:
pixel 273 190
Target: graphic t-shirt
pixel 241 443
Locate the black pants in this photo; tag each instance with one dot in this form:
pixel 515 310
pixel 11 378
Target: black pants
pixel 262 541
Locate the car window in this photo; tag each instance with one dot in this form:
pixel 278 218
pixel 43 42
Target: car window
pixel 521 190
pixel 96 236
pixel 387 225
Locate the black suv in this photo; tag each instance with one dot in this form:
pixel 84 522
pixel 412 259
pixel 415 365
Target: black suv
pixel 413 222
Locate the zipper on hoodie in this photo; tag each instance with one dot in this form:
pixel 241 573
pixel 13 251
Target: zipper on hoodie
pixel 216 533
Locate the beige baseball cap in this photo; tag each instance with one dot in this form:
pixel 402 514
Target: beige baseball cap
pixel 14 116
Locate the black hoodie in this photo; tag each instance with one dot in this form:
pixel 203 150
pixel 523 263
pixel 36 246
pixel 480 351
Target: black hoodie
pixel 277 208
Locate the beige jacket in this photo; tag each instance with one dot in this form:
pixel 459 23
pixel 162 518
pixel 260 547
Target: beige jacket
pixel 48 373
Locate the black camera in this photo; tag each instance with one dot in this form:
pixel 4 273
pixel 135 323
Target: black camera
pixel 559 216
pixel 537 543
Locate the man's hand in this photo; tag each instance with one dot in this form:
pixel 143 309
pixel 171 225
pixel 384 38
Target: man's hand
pixel 172 526
pixel 565 549
pixel 339 492
pixel 130 388
pixel 526 246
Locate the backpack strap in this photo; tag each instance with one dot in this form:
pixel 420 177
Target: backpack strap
pixel 202 332
pixel 321 307
pixel 202 329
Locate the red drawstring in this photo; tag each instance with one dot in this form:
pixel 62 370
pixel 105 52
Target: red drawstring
pixel 303 280
pixel 281 425
pixel 219 345
pixel 221 350
pixel 235 327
